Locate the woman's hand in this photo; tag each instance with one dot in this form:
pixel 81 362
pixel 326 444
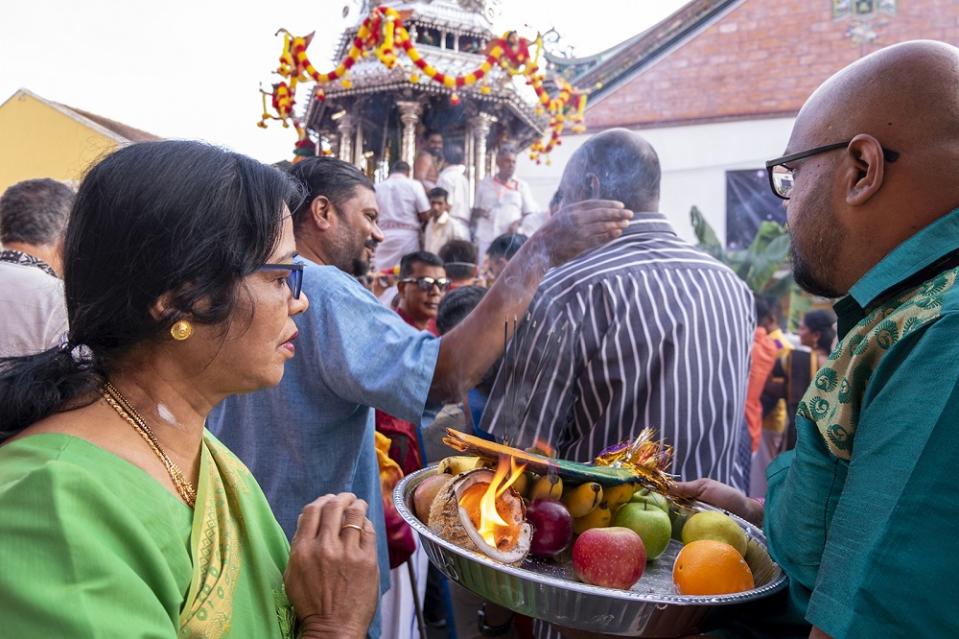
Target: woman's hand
pixel 722 496
pixel 332 578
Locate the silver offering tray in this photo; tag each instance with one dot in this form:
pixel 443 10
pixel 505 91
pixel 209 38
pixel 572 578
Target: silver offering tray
pixel 549 591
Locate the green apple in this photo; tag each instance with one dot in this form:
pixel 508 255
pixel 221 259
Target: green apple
pixel 649 522
pixel 710 524
pixel 645 495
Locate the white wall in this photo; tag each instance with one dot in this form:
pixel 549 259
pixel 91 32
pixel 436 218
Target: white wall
pixel 694 161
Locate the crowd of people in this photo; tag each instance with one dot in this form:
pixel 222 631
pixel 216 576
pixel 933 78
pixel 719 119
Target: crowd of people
pixel 214 372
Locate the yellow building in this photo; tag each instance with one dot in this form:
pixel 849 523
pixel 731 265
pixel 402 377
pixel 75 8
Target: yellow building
pixel 40 138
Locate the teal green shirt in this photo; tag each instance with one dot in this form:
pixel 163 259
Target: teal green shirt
pixel 863 515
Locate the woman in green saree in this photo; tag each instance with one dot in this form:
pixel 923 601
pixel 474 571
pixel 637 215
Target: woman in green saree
pixel 122 516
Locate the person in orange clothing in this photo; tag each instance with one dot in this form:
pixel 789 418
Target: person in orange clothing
pixel 763 358
pixel 769 344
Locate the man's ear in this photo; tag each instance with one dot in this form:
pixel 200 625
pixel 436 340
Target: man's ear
pixel 322 213
pixel 593 189
pixel 864 170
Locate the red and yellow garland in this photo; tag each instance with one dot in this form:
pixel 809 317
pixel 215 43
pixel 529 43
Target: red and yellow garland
pixel 382 33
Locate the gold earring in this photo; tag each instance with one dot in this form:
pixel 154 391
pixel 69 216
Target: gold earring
pixel 181 330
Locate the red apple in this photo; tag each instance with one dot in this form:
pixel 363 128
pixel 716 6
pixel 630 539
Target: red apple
pixel 610 557
pixel 552 527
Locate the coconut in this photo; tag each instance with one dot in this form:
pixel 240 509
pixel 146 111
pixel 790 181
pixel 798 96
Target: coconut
pixel 459 523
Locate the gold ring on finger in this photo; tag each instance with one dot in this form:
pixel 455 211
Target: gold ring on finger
pixel 356 526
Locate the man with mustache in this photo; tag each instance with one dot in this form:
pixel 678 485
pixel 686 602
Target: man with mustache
pixel 314 433
pixel 862 514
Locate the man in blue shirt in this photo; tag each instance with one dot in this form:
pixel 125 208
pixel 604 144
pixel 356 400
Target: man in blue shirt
pixel 313 434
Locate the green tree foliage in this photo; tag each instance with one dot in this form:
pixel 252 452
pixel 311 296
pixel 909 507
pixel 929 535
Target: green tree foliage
pixel 763 265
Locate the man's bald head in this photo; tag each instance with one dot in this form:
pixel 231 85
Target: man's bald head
pixel 617 164
pixel 851 206
pixel 907 93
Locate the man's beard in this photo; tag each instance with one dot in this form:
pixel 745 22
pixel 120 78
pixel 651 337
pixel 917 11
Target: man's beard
pixel 810 273
pixel 807 280
pixel 436 153
pixel 361 265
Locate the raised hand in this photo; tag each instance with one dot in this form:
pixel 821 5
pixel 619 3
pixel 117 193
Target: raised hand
pixel 580 227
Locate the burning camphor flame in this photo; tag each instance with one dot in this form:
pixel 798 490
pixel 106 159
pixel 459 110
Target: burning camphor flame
pixel 507 472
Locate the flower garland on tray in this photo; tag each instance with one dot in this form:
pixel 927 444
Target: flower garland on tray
pixel 382 33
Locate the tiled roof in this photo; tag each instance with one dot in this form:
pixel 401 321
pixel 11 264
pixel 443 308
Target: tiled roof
pixel 122 133
pixel 605 69
pixel 123 130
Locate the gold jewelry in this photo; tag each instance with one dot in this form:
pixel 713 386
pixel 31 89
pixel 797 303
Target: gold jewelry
pixel 120 404
pixel 345 526
pixel 181 330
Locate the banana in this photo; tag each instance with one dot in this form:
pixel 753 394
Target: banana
pixel 547 487
pixel 599 518
pixel 521 485
pixel 616 496
pixel 459 464
pixel 583 499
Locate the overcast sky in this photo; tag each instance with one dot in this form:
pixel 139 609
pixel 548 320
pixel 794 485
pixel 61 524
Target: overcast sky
pixel 191 68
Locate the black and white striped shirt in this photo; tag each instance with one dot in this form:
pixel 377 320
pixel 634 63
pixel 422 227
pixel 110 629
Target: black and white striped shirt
pixel 644 331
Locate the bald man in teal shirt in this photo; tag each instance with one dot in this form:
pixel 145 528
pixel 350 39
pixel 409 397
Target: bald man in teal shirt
pixel 863 514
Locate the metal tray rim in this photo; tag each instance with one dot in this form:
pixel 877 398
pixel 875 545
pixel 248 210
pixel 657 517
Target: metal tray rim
pixel 408 483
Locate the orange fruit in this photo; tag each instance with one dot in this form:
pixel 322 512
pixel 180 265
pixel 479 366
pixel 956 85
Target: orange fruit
pixel 708 567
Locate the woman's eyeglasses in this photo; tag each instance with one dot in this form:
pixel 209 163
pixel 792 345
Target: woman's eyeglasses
pixel 426 284
pixel 294 280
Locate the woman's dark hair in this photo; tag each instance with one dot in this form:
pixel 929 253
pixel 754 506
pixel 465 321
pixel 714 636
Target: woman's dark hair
pixel 173 217
pixel 334 179
pixel 821 322
pixel 767 309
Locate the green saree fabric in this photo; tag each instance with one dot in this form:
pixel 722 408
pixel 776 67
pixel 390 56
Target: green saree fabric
pixel 92 546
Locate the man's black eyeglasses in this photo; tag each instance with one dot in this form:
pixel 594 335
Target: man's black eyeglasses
pixel 781 176
pixel 294 280
pixel 426 284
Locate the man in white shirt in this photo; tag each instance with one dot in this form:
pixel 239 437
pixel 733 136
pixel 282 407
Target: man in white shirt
pixel 501 201
pixel 404 209
pixel 441 227
pixel 453 179
pixel 33 220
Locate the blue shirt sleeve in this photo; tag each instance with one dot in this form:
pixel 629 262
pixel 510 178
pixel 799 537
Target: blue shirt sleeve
pixel 889 563
pixel 368 354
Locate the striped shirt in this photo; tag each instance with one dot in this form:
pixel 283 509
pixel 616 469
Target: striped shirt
pixel 644 331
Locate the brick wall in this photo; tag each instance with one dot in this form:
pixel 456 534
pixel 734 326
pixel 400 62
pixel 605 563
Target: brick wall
pixel 763 57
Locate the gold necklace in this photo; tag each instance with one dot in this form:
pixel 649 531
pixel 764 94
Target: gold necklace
pixel 123 407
